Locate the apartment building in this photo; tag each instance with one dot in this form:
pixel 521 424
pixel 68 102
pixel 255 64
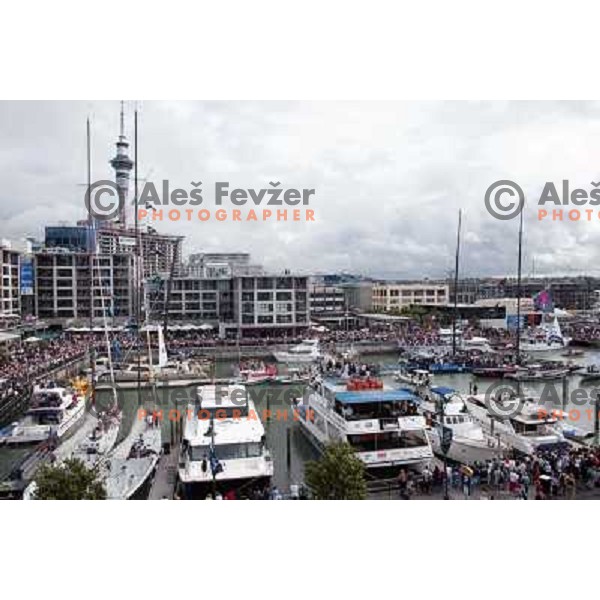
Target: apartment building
pixel 390 297
pixel 69 284
pixel 10 297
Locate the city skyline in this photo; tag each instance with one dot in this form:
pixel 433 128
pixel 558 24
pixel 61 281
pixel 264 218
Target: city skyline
pixel 389 177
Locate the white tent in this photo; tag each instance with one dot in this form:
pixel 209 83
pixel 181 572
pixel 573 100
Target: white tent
pixel 205 327
pixel 32 340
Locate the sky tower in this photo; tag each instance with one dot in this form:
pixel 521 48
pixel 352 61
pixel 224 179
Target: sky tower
pixel 122 165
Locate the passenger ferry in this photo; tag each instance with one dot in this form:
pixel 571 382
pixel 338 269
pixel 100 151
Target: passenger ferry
pixel 379 422
pixel 224 440
pixel 306 351
pixel 54 412
pixel 520 423
pixel 469 442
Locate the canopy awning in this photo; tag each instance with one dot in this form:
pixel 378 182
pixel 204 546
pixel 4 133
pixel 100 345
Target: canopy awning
pixel 375 396
pixel 442 390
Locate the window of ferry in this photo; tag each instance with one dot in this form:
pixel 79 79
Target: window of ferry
pixel 227 451
pixel 387 441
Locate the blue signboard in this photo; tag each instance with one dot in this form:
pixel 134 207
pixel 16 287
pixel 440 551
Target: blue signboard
pixel 26 278
pixel 512 322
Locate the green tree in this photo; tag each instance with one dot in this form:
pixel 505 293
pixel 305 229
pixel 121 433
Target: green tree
pixel 71 480
pixel 338 475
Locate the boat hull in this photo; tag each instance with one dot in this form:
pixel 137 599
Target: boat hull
pixel 467 451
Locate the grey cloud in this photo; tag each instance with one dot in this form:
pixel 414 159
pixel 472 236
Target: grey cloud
pixel 390 176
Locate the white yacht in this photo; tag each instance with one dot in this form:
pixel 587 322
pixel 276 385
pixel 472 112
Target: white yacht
pixel 379 422
pixel 520 423
pixel 306 351
pixel 129 468
pixel 469 442
pixel 101 439
pixel 545 339
pixel 416 377
pixel 224 444
pixel 476 343
pixel 54 412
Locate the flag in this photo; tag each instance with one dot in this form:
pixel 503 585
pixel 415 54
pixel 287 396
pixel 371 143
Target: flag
pixel 542 301
pixel 215 466
pixel 116 348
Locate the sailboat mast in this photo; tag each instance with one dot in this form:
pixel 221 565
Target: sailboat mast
pixel 138 253
pixel 518 345
pixel 456 283
pixel 90 242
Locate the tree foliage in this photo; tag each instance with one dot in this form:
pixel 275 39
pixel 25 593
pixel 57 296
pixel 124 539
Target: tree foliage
pixel 71 480
pixel 338 475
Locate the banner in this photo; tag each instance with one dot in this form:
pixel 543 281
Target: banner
pixel 26 278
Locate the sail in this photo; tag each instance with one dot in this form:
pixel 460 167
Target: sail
pixel 554 333
pixel 162 349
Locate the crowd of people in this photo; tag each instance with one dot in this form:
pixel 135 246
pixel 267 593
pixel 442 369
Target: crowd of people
pixel 25 363
pixel 550 474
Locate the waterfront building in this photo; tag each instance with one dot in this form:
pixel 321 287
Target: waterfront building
pixel 569 293
pixel 160 253
pixel 10 297
pixel 227 291
pixel 359 295
pixel 70 284
pixel 326 301
pixel 393 296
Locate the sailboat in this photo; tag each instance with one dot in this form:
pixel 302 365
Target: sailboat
pixel 131 465
pixel 546 339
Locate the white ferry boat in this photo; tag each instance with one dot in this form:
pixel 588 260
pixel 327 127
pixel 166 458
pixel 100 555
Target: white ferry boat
pixel 379 422
pixel 306 351
pixel 526 426
pixel 54 412
pixel 469 442
pixel 224 444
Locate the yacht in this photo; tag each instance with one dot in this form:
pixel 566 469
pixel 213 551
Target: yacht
pixel 537 373
pixel 252 374
pixel 415 377
pixel 306 351
pixel 223 445
pixel 545 339
pixel 469 442
pixel 54 413
pixel 129 468
pixel 379 422
pixel 476 343
pixel 519 422
pixel 101 439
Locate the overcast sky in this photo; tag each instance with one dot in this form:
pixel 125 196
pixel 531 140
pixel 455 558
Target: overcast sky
pixel 389 177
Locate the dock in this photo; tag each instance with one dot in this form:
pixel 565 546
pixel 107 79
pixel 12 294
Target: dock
pixel 165 478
